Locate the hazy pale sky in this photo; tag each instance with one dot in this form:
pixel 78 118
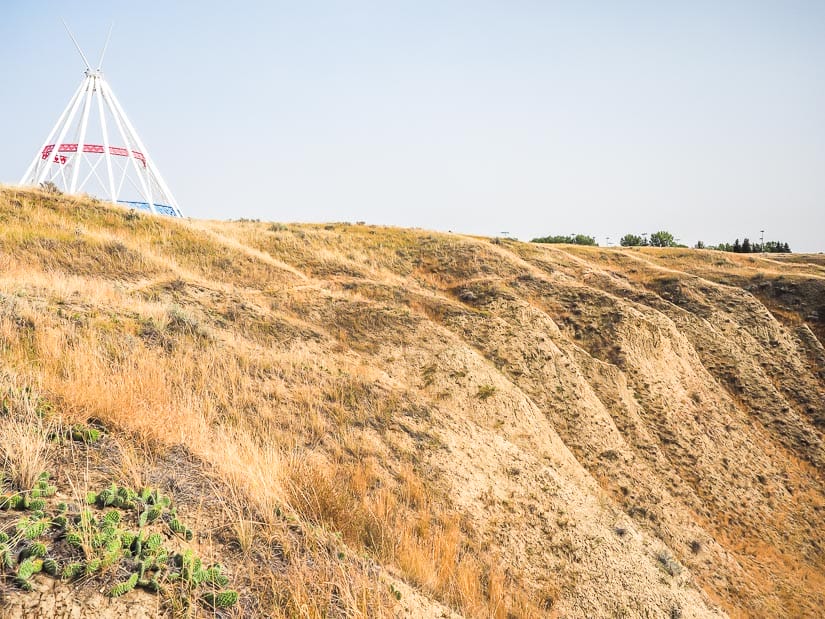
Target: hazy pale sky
pixel 703 118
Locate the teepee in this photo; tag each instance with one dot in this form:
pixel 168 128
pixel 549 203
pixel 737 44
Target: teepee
pixel 94 149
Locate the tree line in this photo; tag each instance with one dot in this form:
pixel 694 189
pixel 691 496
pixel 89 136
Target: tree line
pixel 663 238
pixel 573 239
pixel 746 247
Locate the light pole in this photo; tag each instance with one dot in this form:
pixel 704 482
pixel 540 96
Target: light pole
pixel 762 242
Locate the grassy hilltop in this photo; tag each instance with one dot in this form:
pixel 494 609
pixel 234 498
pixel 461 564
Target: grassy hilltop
pixel 364 421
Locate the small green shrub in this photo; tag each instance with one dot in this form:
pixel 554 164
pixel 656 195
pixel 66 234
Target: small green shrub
pixel 51 188
pixel 485 391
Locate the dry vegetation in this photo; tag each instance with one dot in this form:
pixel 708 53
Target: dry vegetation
pixel 365 421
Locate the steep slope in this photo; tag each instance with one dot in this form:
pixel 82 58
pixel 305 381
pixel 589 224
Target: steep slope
pixel 375 421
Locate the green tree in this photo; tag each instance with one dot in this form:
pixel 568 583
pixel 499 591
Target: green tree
pixel 662 238
pixel 573 239
pixel 631 240
pixel 737 247
pixel 553 239
pixel 746 246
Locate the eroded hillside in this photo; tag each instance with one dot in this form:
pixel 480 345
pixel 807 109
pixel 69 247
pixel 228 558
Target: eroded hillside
pixel 367 421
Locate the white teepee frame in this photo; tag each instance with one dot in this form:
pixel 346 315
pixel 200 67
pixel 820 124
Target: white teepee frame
pixel 61 163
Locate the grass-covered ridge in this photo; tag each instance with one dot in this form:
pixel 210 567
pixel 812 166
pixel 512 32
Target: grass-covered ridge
pixel 362 421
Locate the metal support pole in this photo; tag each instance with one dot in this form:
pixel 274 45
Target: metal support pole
pixel 32 169
pixel 81 138
pixel 107 152
pixel 62 135
pixel 108 98
pixel 149 164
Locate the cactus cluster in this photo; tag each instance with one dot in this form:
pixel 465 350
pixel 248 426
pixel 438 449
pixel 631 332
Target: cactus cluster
pixel 113 496
pixel 27 568
pixel 22 552
pixel 193 574
pixel 31 500
pixel 32 527
pixel 180 529
pixel 42 488
pixel 102 534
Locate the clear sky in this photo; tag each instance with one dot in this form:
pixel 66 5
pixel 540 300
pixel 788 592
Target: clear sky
pixel 705 118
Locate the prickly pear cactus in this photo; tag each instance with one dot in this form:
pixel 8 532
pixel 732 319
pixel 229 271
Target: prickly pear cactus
pixel 180 529
pixel 51 567
pixel 34 549
pixel 43 489
pixel 59 522
pixel 6 556
pixel 73 570
pixel 153 542
pixel 116 529
pixel 92 566
pixel 31 529
pixel 127 538
pixel 107 497
pixel 11 501
pixel 154 513
pixel 26 569
pixel 35 505
pixel 74 539
pixel 220 599
pixel 215 577
pixel 83 434
pixel 125 587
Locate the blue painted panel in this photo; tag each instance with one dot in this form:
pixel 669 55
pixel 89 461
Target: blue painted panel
pixel 144 206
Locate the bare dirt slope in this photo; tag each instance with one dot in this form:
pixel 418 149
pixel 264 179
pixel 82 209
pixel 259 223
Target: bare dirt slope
pixel 368 421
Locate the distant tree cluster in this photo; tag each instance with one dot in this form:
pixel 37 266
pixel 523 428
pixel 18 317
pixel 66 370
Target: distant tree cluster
pixel 662 238
pixel 573 239
pixel 746 247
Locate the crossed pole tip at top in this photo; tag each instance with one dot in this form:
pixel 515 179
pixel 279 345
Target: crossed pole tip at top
pixel 80 51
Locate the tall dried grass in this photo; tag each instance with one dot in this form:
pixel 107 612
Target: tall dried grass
pixel 286 428
pixel 25 448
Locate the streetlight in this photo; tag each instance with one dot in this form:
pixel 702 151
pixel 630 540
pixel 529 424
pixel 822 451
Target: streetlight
pixel 762 242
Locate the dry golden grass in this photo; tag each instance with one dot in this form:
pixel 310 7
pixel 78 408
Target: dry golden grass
pixel 25 433
pixel 263 352
pixel 156 376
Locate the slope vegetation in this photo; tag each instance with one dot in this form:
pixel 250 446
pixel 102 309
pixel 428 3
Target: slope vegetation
pixel 367 421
